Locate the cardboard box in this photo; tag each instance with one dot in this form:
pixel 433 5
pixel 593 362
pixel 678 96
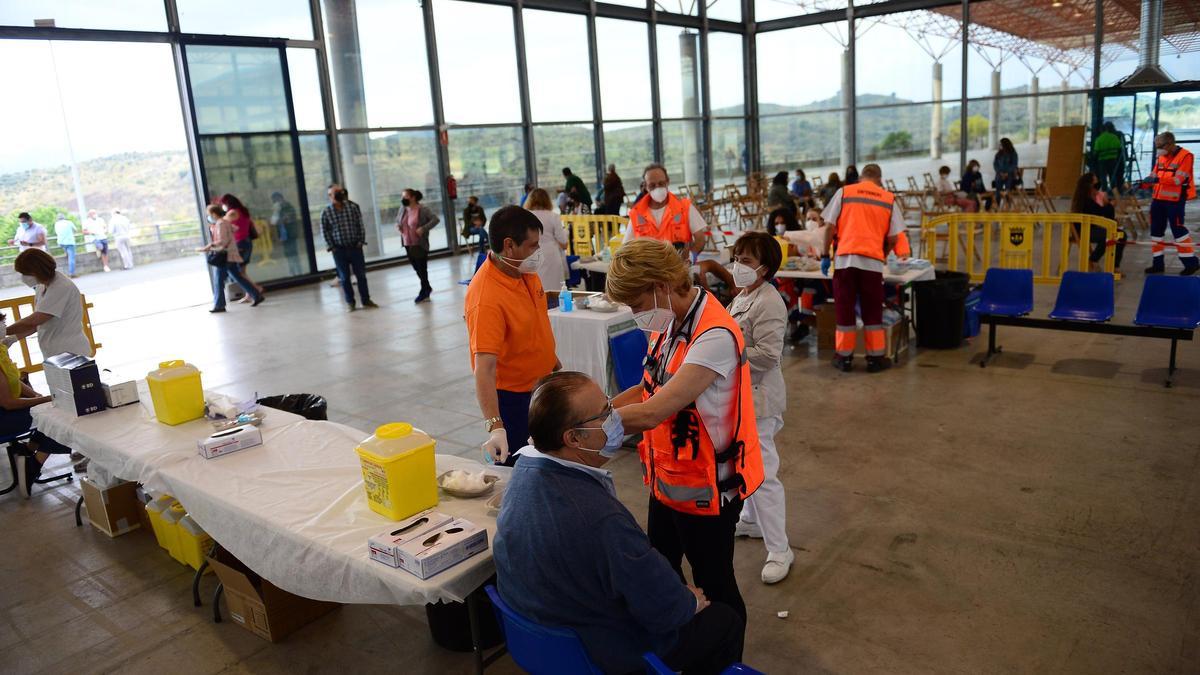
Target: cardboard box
pixel 118 391
pixel 893 339
pixel 826 325
pixel 113 511
pixel 74 383
pixel 229 441
pixel 441 548
pixel 260 606
pixel 143 516
pixel 385 547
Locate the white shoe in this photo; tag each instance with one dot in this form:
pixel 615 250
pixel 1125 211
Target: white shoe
pixel 745 528
pixel 777 567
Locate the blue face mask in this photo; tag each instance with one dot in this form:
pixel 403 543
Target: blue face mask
pixel 614 435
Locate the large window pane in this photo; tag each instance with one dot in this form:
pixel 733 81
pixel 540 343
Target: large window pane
pixel 556 53
pixel 318 174
pixel 380 76
pixel 237 89
pixel 624 53
pixel 729 151
pixel 726 92
pixel 306 89
pixel 728 10
pixel 627 3
pixel 630 146
pixel 562 146
pixel 113 14
pixel 683 152
pixel 816 50
pixel 810 141
pixel 765 10
pixel 924 58
pixel 378 168
pixel 261 18
pixel 478 63
pixel 688 7
pixel 901 141
pixel 679 71
pixel 489 163
pixel 254 167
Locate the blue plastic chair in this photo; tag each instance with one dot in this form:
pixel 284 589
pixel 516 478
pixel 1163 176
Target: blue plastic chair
pixel 657 667
pixel 627 351
pixel 1007 292
pixel 540 649
pixel 1084 296
pixel 1170 302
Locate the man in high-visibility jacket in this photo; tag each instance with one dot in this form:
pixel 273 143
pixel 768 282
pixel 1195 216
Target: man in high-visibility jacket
pixel 663 216
pixel 866 225
pixel 1174 183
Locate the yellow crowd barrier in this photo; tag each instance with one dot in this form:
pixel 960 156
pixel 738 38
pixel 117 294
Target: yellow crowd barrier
pixel 18 308
pixel 589 233
pixel 1042 242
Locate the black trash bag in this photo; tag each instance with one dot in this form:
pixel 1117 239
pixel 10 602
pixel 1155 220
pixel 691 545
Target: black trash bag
pixel 308 406
pixel 450 623
pixel 941 310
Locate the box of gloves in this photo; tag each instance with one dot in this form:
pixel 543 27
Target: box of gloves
pixel 118 390
pixel 441 548
pixel 229 441
pixel 74 383
pixel 385 547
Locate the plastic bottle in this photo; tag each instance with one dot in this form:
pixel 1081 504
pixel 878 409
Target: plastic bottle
pixel 565 302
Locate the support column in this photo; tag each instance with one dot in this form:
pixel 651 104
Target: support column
pixel 994 113
pixel 689 76
pixel 1033 110
pixel 935 124
pixel 847 154
pixel 1062 104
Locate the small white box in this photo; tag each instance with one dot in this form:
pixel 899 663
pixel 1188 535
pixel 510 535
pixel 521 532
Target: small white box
pixel 441 548
pixel 118 391
pixel 385 547
pixel 229 441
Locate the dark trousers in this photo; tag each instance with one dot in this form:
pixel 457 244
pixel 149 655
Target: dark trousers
pixel 709 643
pixel 514 411
pixel 1163 215
pixel 245 248
pixel 418 257
pixel 853 286
pixel 347 259
pixel 19 421
pixel 1100 242
pixel 707 541
pixel 292 253
pixel 1107 171
pixel 223 274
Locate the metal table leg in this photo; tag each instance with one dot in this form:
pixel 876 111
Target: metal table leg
pixel 217 603
pixel 200 574
pixel 78 506
pixel 476 638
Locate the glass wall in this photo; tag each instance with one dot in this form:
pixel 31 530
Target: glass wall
pixel 477 57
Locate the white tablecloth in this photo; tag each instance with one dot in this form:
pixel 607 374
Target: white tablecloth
pixel 292 509
pixel 601 266
pixel 908 276
pixel 581 339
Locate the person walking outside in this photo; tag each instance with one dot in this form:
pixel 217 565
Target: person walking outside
pixel 345 237
pixel 29 234
pixel 866 225
pixel 414 221
pixel 225 259
pixel 1174 184
pixel 117 221
pixel 95 229
pixel 64 235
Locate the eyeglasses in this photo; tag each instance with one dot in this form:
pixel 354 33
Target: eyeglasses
pixel 608 408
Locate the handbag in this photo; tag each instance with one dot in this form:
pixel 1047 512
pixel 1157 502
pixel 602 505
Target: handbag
pixel 217 258
pixel 253 231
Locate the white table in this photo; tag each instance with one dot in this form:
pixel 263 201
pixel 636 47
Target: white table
pixel 581 338
pixel 904 278
pixel 598 266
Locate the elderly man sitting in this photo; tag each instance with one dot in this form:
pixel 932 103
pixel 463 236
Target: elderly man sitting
pixel 568 554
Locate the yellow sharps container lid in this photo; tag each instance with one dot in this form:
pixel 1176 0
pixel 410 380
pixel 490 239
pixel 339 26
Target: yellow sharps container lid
pixel 394 430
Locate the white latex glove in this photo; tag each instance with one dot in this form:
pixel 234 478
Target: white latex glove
pixel 496 446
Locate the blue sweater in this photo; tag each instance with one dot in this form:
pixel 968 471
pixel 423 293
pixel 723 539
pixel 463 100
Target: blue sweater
pixel 569 554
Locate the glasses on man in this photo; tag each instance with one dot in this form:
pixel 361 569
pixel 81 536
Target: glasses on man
pixel 608 408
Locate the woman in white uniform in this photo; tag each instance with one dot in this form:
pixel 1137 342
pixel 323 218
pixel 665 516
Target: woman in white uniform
pixel 762 315
pixel 57 307
pixel 552 269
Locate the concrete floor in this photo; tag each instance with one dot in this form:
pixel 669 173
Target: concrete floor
pixel 1035 516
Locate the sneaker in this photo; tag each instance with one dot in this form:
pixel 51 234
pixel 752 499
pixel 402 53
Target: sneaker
pixel 259 301
pixel 745 528
pixel 28 471
pixel 351 308
pixel 421 297
pixel 878 363
pixel 216 310
pixel 370 304
pixel 1189 270
pixel 799 332
pixel 777 567
pixel 843 363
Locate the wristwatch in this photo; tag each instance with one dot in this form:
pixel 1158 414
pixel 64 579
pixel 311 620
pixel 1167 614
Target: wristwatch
pixel 490 423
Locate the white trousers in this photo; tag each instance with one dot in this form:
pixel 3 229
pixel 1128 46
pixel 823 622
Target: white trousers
pixel 766 506
pixel 126 253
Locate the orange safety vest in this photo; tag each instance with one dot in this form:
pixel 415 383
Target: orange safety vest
pixel 679 462
pixel 1176 177
pixel 864 221
pixel 676 220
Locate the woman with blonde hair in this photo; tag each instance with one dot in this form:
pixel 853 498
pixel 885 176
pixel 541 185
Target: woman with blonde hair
pixel 552 269
pixel 700 448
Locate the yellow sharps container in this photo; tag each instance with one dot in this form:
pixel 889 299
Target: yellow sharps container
pixel 176 392
pixel 399 472
pixel 171 518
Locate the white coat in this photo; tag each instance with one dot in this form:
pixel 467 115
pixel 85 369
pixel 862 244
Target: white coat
pixel 762 316
pixel 552 269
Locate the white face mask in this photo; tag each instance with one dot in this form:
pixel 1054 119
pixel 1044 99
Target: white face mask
pixel 1159 152
pixel 528 265
pixel 744 276
pixel 29 280
pixel 659 194
pixel 657 320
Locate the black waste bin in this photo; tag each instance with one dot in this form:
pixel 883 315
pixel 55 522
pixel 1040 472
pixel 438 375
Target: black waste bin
pixel 308 406
pixel 941 308
pixel 450 623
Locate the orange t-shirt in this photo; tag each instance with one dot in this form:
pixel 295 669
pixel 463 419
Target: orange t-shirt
pixel 507 317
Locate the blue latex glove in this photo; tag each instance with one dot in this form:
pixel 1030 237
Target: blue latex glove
pixel 825 264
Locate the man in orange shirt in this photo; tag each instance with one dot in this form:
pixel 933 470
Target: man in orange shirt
pixel 512 346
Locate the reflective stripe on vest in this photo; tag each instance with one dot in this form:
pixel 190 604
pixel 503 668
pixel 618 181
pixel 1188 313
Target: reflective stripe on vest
pixel 675 227
pixel 1174 176
pixel 679 460
pixel 864 221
